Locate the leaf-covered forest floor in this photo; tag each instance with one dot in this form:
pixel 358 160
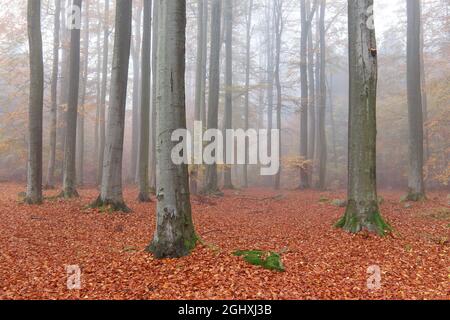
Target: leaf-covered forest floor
pixel 37 242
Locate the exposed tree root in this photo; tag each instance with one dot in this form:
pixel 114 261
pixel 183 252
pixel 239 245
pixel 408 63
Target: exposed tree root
pixel 111 206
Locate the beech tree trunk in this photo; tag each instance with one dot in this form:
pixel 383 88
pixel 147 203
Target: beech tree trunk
pixel 111 189
pixel 416 188
pixel 211 183
pixel 36 104
pixel 362 210
pixel 228 14
pixel 54 98
pixel 144 128
pixel 69 172
pixel 278 10
pixel 175 235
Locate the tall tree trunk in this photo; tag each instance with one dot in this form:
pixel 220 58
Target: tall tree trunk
pixel 228 14
pixel 247 86
pixel 416 189
pixel 136 55
pixel 198 84
pixel 321 131
pixel 270 76
pixel 82 111
pixel 69 173
pixel 102 134
pixel 204 62
pixel 175 235
pixel 278 34
pixel 424 90
pixel 312 99
pixel 111 188
pixel 36 104
pixel 54 98
pixel 362 209
pixel 144 128
pixel 153 173
pixel 98 86
pixel 211 183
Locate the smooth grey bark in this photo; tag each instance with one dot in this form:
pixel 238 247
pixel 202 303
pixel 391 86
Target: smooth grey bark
pixel 228 19
pixel 98 86
pixel 175 235
pixel 82 111
pixel 69 170
pixel 306 19
pixel 279 25
pixel 249 9
pixel 136 56
pixel 211 182
pixel 111 188
pixel 416 188
pixel 144 128
pixel 36 104
pixel 50 184
pixel 321 132
pixel 153 173
pixel 270 75
pixel 102 117
pixel 204 62
pixel 424 90
pixel 64 79
pixel 312 99
pixel 362 210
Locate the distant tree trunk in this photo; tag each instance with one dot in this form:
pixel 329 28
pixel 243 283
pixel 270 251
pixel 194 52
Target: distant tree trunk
pixel 416 189
pixel 36 106
pixel 204 62
pixel 278 35
pixel 312 98
pixel 153 173
pixel 102 134
pixel 175 235
pixel 69 172
pixel 144 192
pixel 424 90
pixel 98 86
pixel 321 132
pixel 332 122
pixel 211 183
pixel 247 86
pixel 111 189
pixel 362 209
pixel 228 14
pixel 136 55
pixel 270 75
pixel 82 111
pixel 54 98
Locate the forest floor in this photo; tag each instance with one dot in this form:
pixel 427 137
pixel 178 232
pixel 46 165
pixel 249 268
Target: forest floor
pixel 38 242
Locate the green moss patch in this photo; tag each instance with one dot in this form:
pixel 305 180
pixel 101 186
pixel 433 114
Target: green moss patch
pixel 266 259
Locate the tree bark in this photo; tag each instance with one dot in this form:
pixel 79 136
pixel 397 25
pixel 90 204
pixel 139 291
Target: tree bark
pixel 54 98
pixel 36 104
pixel 144 192
pixel 111 189
pixel 82 111
pixel 362 209
pixel 102 134
pixel 175 235
pixel 69 172
pixel 278 35
pixel 211 183
pixel 416 188
pixel 228 14
pixel 270 76
pixel 312 100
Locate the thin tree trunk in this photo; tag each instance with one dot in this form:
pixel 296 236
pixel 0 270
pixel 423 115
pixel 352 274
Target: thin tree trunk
pixel 321 137
pixel 312 100
pixel 54 98
pixel 228 184
pixel 362 209
pixel 36 106
pixel 69 173
pixel 175 235
pixel 102 134
pixel 153 173
pixel 144 128
pixel 247 87
pixel 270 76
pixel 416 189
pixel 211 183
pixel 82 111
pixel 136 55
pixel 424 90
pixel 98 86
pixel 278 36
pixel 111 189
